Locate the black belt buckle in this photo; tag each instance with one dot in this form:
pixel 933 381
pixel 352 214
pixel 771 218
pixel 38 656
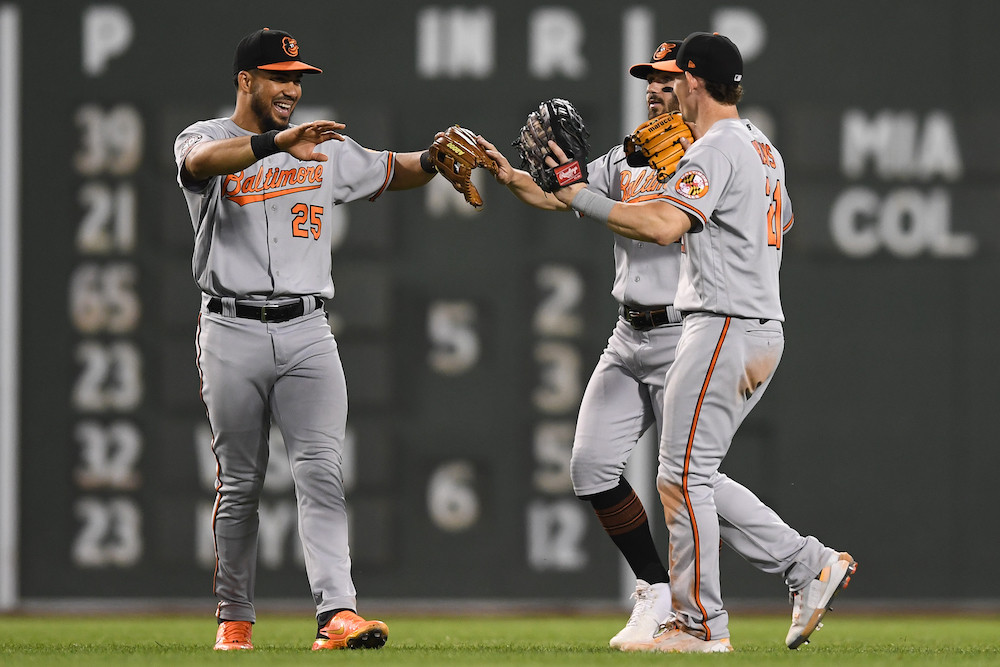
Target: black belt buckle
pixel 651 318
pixel 640 320
pixel 265 313
pixel 288 311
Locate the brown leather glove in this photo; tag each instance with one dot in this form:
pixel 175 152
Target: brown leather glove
pixel 657 144
pixel 455 154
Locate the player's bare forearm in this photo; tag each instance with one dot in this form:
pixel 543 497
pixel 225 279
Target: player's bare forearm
pixel 653 221
pixel 520 182
pixel 525 189
pixel 221 156
pixel 408 173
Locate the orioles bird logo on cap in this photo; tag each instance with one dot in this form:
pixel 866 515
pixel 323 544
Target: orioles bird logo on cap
pixel 662 51
pixel 290 46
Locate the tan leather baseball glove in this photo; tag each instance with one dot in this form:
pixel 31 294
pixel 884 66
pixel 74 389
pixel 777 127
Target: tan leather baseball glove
pixel 657 143
pixel 455 154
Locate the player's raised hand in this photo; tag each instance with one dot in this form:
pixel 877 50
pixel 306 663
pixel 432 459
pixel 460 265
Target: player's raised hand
pixel 301 140
pixel 558 157
pixel 505 172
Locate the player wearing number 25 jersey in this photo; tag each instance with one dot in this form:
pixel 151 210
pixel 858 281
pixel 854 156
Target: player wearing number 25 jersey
pixel 259 191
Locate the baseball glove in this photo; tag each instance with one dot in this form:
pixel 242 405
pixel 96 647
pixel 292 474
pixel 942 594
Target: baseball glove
pixel 657 144
pixel 558 120
pixel 455 154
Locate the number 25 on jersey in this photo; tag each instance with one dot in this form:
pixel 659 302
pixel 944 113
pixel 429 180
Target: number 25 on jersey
pixel 307 221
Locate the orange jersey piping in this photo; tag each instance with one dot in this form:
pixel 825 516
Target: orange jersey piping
pixel 388 176
pixel 684 479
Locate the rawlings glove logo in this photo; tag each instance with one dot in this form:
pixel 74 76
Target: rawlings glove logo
pixel 569 173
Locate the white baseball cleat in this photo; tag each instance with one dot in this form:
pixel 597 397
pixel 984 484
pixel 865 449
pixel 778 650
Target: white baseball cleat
pixel 674 638
pixel 812 602
pixel 653 608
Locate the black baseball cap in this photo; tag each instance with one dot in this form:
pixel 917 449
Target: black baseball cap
pixel 711 56
pixel 665 52
pixel 268 49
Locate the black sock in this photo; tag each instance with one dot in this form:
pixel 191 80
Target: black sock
pixel 624 519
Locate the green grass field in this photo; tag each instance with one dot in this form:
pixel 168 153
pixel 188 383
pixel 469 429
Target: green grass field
pixel 483 640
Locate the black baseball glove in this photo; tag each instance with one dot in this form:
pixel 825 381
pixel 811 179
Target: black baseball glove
pixel 556 119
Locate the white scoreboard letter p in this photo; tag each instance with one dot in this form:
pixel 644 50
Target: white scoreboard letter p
pixel 107 32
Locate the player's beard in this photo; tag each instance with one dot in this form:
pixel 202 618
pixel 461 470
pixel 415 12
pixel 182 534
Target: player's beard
pixel 663 107
pixel 262 109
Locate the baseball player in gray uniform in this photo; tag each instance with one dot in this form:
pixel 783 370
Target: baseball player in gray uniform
pixel 259 190
pixel 728 205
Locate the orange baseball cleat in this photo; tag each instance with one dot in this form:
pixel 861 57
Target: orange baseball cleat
pixel 234 636
pixel 348 630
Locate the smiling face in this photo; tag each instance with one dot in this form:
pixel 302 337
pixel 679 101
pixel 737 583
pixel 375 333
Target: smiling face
pixel 273 96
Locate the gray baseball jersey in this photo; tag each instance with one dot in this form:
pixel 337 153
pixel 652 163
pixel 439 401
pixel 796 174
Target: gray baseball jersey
pixel 260 240
pixel 645 273
pixel 613 414
pixel 259 233
pixel 625 394
pixel 732 180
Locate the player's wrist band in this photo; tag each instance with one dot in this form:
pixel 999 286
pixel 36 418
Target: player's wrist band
pixel 426 164
pixel 592 205
pixel 264 144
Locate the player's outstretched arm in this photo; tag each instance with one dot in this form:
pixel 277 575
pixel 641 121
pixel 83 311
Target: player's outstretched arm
pixel 520 182
pixel 409 173
pixel 652 221
pixel 227 156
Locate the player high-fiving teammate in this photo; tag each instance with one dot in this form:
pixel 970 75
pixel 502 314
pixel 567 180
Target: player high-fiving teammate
pixel 259 190
pixel 728 204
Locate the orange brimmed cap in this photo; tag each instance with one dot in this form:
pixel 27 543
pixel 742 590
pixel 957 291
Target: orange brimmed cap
pixel 663 60
pixel 268 49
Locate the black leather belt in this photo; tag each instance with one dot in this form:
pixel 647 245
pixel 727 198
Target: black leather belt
pixel 685 313
pixel 288 311
pixel 644 318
